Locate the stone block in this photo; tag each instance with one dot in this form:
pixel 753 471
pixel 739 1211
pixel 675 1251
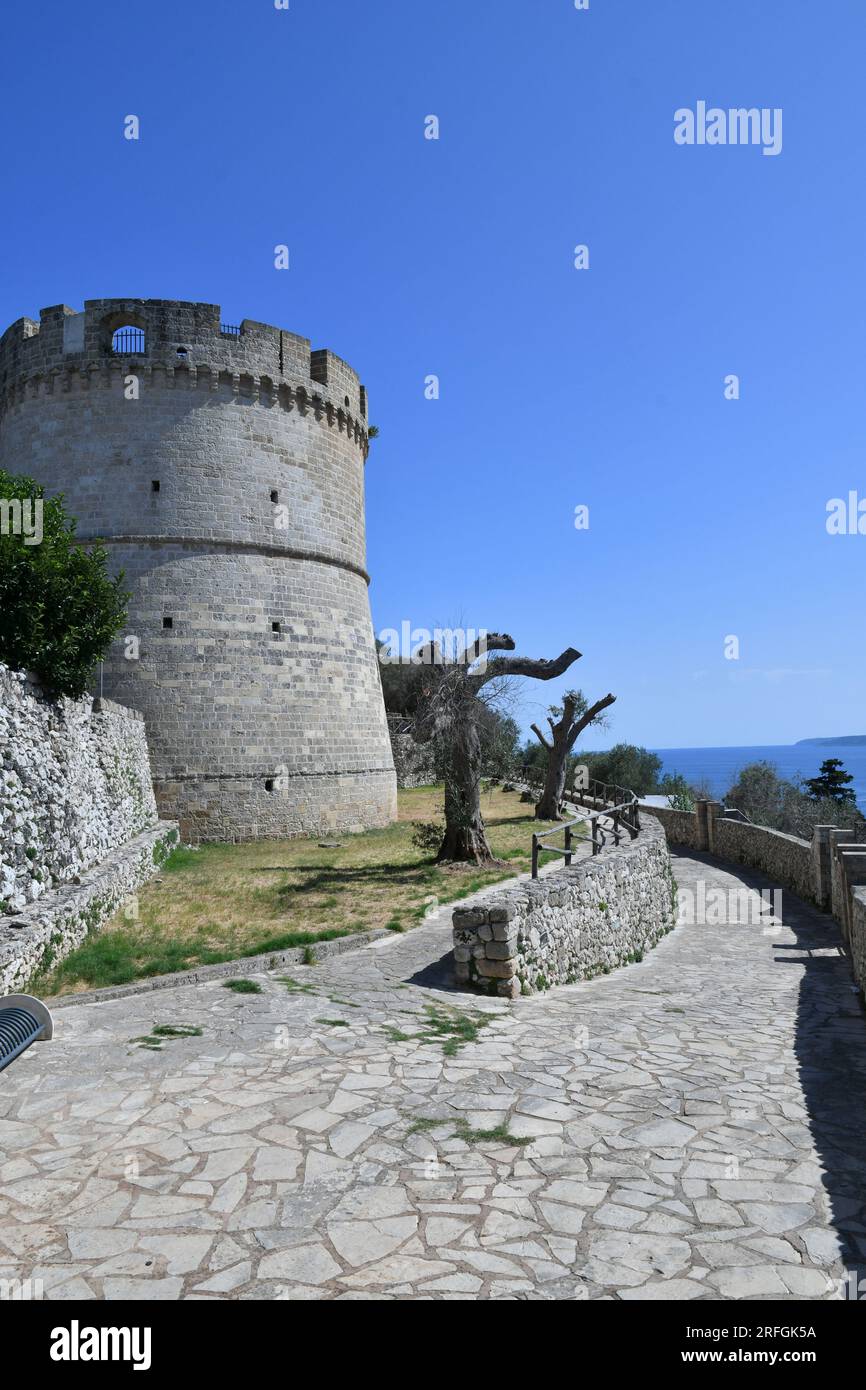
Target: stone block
pixel 495 969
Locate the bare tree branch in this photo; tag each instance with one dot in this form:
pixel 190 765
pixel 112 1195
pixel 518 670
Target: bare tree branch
pixel 589 718
pixel 540 670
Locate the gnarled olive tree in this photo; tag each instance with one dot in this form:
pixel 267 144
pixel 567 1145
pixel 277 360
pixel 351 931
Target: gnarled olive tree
pixel 574 716
pixel 453 695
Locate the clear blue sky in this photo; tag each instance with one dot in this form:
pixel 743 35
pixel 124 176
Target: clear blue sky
pixel 558 387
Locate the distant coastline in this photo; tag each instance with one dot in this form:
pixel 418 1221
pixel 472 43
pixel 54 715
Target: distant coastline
pixel 846 741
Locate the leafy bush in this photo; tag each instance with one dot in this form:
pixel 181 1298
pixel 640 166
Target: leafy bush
pixel 428 835
pixel 771 800
pixel 59 608
pixel 625 765
pixel 678 792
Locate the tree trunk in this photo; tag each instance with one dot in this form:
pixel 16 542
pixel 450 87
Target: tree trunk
pixel 549 807
pixel 465 837
pixel 564 733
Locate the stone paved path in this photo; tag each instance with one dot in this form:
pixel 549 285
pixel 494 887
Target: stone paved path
pixel 695 1127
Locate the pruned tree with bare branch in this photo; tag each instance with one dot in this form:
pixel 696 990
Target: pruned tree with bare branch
pixel 575 715
pixel 449 712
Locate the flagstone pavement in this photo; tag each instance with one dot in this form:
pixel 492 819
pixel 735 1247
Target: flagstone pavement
pixel 693 1128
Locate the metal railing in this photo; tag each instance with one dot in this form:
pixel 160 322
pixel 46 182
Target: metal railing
pixel 230 330
pixel 128 340
pixel 613 812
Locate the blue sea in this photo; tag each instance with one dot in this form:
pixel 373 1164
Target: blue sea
pixel 719 766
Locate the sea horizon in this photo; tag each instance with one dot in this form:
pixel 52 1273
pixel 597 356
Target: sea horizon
pixel 719 765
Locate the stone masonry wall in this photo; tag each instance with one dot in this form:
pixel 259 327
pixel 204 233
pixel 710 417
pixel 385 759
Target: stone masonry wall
pixel 74 785
pixel 229 488
pixel 78 823
pixel 569 925
pixel 857 943
pixel 45 932
pixel 413 762
pixel 785 859
pixel 681 827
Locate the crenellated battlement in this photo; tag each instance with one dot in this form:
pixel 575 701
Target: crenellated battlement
pixel 179 336
pixel 110 371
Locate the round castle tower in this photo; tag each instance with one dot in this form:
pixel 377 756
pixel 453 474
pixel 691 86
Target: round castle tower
pixel 224 467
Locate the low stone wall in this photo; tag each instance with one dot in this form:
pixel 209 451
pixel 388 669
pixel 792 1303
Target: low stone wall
pixel 571 924
pixel 857 942
pixel 785 859
pixel 681 827
pixel 45 932
pixel 75 784
pixel 414 762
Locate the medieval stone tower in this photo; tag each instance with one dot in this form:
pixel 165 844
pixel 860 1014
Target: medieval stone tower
pixel 224 467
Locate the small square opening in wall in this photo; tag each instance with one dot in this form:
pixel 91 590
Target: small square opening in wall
pixel 269 784
pixel 154 487
pixel 275 627
pixel 168 622
pixel 275 496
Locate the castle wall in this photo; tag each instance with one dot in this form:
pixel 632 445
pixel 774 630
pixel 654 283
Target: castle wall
pixel 231 494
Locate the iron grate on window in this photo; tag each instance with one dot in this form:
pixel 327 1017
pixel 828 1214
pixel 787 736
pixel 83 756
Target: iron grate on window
pixel 128 340
pixel 230 330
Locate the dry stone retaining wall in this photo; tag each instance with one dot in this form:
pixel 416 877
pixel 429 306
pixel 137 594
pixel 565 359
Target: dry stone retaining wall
pixel 50 928
pixel 74 785
pixel 78 823
pixel 570 925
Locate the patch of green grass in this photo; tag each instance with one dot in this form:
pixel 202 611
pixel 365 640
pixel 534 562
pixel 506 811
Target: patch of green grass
pixel 395 1035
pixel 180 858
pixel 308 956
pixel 333 1022
pixel 295 986
pixel 121 957
pixel 425 1122
pixel 463 1130
pixel 451 1029
pixel 498 1135
pixel 161 1031
pixel 243 986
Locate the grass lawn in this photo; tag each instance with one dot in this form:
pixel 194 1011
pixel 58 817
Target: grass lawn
pixel 220 902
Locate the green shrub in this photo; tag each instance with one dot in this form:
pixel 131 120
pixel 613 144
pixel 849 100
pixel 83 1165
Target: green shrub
pixel 59 608
pixel 428 835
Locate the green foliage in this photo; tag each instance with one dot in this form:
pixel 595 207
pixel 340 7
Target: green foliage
pixel 626 765
pixel 243 986
pixel 768 799
pixel 678 792
pixel 179 858
pixel 428 835
pixel 59 609
pixel 831 784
